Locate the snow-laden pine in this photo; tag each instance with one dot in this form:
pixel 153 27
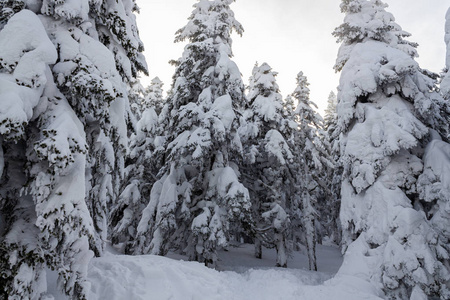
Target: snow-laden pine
pixel 268 155
pixel 44 218
pixel 309 167
pixel 142 166
pixel 445 84
pixel 154 95
pixel 136 95
pixel 330 201
pixel 64 71
pixel 198 192
pixel 387 106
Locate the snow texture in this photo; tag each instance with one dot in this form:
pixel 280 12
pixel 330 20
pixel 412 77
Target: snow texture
pixel 25 52
pixel 387 107
pixel 114 277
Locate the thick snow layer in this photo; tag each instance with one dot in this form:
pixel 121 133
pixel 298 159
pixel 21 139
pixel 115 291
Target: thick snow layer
pixel 116 277
pixel 25 53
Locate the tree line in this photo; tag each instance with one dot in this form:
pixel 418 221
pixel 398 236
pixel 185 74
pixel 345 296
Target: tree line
pixel 88 155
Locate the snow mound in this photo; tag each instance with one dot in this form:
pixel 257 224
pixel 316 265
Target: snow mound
pixel 154 277
pixel 116 277
pixel 151 277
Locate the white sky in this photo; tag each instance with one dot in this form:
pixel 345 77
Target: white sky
pixel 290 35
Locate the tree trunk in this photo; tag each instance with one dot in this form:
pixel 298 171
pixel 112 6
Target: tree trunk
pixel 258 248
pixel 281 250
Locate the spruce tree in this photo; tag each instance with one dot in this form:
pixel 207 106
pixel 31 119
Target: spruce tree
pixel 445 84
pixel 64 137
pixel 311 160
pixel 142 166
pixel 387 106
pixel 44 218
pixel 136 95
pixel 198 192
pixel 154 96
pixel 266 162
pixel 330 203
pixel 330 118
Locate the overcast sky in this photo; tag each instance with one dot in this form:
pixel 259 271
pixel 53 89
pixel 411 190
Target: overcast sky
pixel 290 35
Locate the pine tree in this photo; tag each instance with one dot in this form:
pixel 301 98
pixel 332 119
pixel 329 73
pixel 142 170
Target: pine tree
pixel 268 156
pixel 142 167
pixel 312 159
pixel 44 218
pixel 330 118
pixel 198 193
pixel 386 108
pixel 154 96
pixel 136 95
pixel 445 84
pixel 68 130
pixel 330 202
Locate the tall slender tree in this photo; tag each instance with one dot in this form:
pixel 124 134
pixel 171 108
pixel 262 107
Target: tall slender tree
pixel 142 166
pixel 312 159
pixel 266 162
pixel 445 84
pixel 199 192
pixel 386 107
pixel 331 199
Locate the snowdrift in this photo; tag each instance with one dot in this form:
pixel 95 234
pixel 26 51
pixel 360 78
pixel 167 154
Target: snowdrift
pixel 160 278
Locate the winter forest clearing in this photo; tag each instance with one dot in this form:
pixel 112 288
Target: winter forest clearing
pixel 247 194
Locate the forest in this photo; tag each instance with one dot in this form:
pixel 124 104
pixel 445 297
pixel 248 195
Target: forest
pixel 91 160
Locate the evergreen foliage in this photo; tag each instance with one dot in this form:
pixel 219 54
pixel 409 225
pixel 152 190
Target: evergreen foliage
pixel 267 159
pixel 312 160
pixel 331 200
pixel 64 71
pixel 198 192
pixel 387 106
pixel 445 83
pixel 154 96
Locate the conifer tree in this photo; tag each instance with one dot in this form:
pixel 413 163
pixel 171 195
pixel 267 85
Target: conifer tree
pixel 312 159
pixel 142 167
pixel 154 96
pixel 330 118
pixel 67 72
pixel 330 202
pixel 445 84
pixel 44 218
pixel 136 95
pixel 199 193
pixel 387 106
pixel 267 158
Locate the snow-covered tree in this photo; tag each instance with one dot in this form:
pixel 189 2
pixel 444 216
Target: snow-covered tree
pixel 386 107
pixel 64 71
pixel 199 193
pixel 136 95
pixel 154 96
pixel 445 84
pixel 330 118
pixel 330 201
pixel 312 158
pixel 44 218
pixel 142 167
pixel 266 162
pixel 99 52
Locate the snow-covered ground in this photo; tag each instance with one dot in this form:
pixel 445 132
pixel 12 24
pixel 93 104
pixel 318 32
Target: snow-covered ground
pixel 241 277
